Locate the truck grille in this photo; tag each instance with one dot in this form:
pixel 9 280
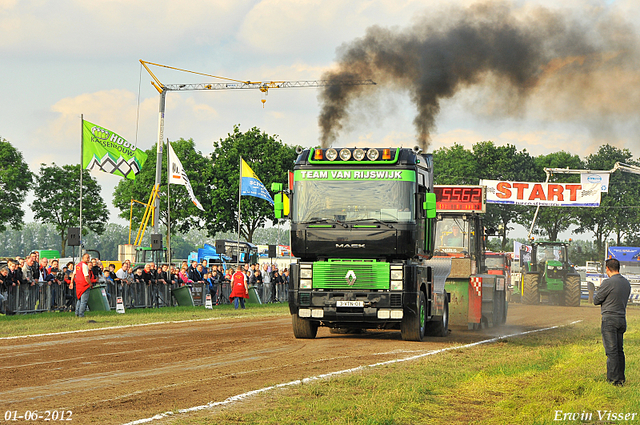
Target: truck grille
pixel 305 298
pixel 339 274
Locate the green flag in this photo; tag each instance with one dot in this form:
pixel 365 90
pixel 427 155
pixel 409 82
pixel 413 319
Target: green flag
pixel 106 151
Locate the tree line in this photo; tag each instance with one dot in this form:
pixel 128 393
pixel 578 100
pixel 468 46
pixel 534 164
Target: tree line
pixel 617 219
pixel 36 236
pixel 215 179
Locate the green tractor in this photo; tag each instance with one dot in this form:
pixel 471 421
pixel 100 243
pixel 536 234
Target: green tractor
pixel 549 273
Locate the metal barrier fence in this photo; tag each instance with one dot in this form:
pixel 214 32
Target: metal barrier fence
pixel 51 297
pixel 43 296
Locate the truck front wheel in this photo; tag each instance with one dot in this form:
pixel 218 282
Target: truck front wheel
pixel 413 327
pixel 304 328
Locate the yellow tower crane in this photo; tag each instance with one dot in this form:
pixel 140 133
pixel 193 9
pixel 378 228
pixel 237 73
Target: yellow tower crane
pixel 229 84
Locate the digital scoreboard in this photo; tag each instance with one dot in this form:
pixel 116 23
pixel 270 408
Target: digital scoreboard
pixel 460 198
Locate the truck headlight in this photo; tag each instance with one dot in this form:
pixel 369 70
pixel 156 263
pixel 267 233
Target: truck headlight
pixel 306 272
pixel 396 274
pixel 305 284
pixel 331 154
pixel 397 277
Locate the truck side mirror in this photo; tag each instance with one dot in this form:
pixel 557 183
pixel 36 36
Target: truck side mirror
pixel 278 205
pixel 430 205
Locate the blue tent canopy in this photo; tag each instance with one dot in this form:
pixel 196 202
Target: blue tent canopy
pixel 624 253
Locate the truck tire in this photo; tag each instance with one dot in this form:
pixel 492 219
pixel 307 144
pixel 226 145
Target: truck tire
pixel 531 290
pixel 413 328
pixel 572 291
pixel 304 328
pixel 440 328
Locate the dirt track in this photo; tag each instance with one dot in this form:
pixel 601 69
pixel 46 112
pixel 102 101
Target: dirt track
pixel 116 376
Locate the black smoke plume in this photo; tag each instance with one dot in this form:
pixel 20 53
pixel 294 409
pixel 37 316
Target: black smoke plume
pixel 514 52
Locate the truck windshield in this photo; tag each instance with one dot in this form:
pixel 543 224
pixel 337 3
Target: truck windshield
pixel 349 200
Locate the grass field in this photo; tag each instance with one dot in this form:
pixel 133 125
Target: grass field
pixel 533 379
pixel 31 324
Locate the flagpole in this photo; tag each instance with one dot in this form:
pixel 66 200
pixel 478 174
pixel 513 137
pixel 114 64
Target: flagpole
pixel 239 219
pixel 168 207
pixel 81 164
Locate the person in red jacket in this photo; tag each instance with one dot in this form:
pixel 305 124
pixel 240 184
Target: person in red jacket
pixel 239 289
pixel 82 280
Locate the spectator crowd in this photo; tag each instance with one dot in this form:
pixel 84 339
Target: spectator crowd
pixel 25 281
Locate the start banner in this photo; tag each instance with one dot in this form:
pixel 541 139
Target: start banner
pixel 542 194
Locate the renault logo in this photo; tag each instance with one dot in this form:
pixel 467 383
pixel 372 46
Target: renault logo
pixel 351 277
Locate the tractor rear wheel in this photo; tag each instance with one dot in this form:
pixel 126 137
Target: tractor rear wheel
pixel 572 291
pixel 531 289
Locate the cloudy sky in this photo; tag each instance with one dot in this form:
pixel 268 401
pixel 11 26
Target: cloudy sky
pixel 63 58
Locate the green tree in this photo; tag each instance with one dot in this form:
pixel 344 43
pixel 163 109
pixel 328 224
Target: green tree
pixel 268 157
pixel 184 214
pixel 15 181
pixel 57 195
pixel 553 220
pixel 509 164
pixel 455 165
pixel 618 213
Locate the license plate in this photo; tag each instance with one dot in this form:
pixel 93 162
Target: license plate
pixel 349 303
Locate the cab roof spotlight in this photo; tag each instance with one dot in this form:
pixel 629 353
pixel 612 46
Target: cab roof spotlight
pixel 317 154
pixel 331 154
pixel 373 154
pixel 345 154
pixel 358 154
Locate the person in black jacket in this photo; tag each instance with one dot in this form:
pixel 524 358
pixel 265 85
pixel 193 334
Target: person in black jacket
pixel 613 296
pixel 165 275
pixel 214 283
pixel 197 274
pixel 35 266
pixel 156 281
pixel 256 280
pixel 138 276
pixel 5 283
pixel 278 283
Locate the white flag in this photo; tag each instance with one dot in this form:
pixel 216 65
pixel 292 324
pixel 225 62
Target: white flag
pixel 179 176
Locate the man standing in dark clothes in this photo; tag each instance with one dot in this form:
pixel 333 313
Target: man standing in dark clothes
pixel 612 296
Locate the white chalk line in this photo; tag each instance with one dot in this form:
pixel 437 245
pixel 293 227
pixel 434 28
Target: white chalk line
pixel 120 327
pixel 241 397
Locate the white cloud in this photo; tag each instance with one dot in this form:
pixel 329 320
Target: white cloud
pixel 107 28
pixel 298 27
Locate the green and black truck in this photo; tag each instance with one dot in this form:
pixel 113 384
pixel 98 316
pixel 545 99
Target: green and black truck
pixel 362 226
